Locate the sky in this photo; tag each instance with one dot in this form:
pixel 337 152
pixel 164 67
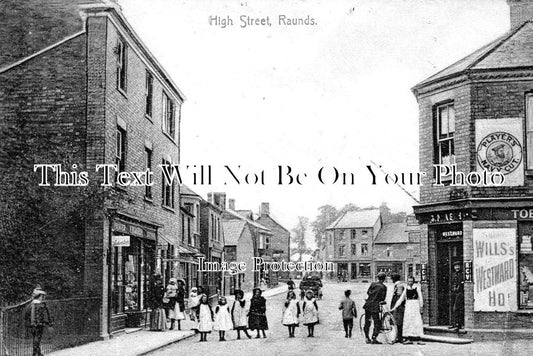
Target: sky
pixel 336 94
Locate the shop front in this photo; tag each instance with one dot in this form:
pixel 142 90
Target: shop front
pixel 493 245
pixel 133 261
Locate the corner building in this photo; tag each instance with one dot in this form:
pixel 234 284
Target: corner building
pixel 477 114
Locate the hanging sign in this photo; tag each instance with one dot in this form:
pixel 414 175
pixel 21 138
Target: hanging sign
pixel 499 145
pixel 120 241
pixel 495 266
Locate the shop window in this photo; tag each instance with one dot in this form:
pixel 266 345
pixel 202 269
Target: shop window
pixel 122 64
pixel 354 249
pixel 148 94
pixel 364 269
pixel 526 265
pixel 168 189
pixel 354 271
pixel 168 120
pixel 529 131
pixel 353 234
pixel 148 166
pixel 364 249
pixel 445 146
pixel 341 251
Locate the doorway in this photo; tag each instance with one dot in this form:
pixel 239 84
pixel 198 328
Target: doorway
pixel 448 252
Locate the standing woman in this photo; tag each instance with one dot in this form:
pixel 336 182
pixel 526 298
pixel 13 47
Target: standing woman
pixel 171 297
pixel 310 313
pixel 158 320
pixel 180 303
pixel 413 328
pixel 205 318
pixel 239 314
pixel 257 319
pixel 291 313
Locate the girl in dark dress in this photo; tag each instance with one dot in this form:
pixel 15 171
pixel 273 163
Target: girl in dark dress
pixel 257 319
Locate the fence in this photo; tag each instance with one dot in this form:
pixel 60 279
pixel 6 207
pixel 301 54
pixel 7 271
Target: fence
pixel 75 321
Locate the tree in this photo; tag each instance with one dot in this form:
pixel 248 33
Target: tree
pixel 299 236
pixel 328 214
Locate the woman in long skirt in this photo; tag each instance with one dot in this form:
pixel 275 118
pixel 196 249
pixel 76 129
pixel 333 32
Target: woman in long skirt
pixel 223 321
pixel 291 313
pixel 205 318
pixel 158 320
pixel 413 327
pixel 257 319
pixel 310 313
pixel 239 314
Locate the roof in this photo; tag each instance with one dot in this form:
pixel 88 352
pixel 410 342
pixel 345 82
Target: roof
pixel 510 51
pixel 269 216
pixel 232 231
pixel 356 219
pixel 394 233
pixel 184 190
pixel 235 215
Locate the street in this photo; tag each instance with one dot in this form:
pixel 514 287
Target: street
pixel 329 335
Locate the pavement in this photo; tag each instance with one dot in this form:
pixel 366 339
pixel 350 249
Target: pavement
pixel 144 341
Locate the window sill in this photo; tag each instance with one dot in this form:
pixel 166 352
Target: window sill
pixel 149 118
pixel 168 208
pixel 170 138
pixel 529 172
pixel 148 199
pixel 123 92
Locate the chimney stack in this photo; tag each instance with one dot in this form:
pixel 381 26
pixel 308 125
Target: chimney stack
pixel 217 199
pixel 521 11
pixel 231 204
pixel 265 209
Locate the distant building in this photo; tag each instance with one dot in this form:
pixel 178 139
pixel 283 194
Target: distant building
pixel 238 247
pixel 397 250
pixel 349 243
pixel 212 238
pixel 277 246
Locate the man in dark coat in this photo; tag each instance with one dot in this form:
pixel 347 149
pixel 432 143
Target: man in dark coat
pixel 377 292
pixel 398 312
pixel 37 317
pixel 457 296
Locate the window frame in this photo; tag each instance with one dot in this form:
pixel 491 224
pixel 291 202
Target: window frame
pixel 168 112
pixel 528 132
pixel 122 65
pixel 148 160
pixel 449 137
pixel 170 187
pixel 149 95
pixel 120 149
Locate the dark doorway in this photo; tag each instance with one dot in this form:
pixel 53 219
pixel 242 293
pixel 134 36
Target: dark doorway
pixel 447 254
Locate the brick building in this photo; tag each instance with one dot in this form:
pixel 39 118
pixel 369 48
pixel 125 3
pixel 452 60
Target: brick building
pixel 278 244
pixel 212 238
pixel 80 82
pixel 397 249
pixel 350 243
pixel 238 247
pixel 477 114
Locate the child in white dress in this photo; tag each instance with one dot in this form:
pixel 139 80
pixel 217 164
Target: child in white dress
pixel 205 318
pixel 239 314
pixel 223 321
pixel 310 313
pixel 291 313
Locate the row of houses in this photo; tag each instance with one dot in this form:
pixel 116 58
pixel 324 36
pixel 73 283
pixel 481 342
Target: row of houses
pixel 81 89
pixel 360 245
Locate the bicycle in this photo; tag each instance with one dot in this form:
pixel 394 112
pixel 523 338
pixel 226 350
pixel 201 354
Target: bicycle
pixel 389 328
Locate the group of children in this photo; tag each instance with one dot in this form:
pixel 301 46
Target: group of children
pixel 241 316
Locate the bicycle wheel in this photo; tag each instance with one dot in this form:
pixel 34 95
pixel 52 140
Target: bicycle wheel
pixel 389 327
pixel 362 325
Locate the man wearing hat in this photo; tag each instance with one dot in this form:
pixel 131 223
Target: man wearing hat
pixel 377 292
pixel 457 296
pixel 36 318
